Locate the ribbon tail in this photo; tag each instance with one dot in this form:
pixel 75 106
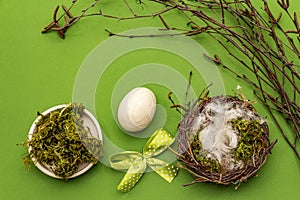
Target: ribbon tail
pixel 133 175
pixel 162 168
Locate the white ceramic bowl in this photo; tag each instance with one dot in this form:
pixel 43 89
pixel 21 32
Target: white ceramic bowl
pixel 88 121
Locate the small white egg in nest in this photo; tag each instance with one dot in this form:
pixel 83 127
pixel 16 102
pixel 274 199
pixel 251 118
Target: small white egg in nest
pixel 137 109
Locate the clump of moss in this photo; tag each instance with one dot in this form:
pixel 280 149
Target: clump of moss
pixel 211 164
pixel 62 143
pixel 250 133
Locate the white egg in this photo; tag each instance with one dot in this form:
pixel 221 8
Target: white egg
pixel 137 109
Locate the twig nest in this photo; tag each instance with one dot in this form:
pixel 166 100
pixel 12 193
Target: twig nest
pixel 137 109
pixel 223 140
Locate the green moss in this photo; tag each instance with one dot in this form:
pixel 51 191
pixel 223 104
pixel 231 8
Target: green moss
pixel 61 139
pixel 250 133
pixel 200 156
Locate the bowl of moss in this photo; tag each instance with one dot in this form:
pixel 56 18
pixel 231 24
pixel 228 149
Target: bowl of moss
pixel 223 140
pixel 64 141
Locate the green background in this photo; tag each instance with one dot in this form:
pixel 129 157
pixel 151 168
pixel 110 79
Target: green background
pixel 38 71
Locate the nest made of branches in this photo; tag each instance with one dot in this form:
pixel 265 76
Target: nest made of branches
pixel 232 165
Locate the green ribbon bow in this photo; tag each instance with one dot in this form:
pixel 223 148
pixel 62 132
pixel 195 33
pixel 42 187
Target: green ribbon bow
pixel 135 163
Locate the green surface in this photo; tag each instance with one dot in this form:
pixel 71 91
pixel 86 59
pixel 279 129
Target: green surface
pixel 39 71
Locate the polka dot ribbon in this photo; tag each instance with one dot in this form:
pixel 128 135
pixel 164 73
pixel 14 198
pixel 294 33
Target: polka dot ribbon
pixel 136 163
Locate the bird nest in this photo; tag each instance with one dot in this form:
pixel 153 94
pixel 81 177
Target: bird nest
pixel 223 140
